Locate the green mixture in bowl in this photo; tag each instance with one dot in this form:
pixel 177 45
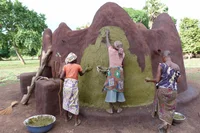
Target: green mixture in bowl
pixel 178 117
pixel 40 121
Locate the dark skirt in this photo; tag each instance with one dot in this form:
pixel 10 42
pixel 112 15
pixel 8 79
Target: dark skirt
pixel 165 104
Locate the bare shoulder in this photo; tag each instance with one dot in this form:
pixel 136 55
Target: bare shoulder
pixel 176 67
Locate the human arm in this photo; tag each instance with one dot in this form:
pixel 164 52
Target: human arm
pixel 178 74
pixel 107 38
pixel 179 79
pixel 123 63
pixel 158 75
pixel 87 69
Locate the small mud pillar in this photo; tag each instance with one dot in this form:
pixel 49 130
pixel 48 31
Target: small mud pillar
pixel 46 96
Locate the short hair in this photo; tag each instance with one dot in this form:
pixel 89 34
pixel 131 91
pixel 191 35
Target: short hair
pixel 166 53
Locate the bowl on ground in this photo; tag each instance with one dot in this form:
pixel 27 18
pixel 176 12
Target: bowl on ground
pixel 178 117
pixel 39 123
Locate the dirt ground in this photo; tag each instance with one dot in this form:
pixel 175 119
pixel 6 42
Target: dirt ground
pixel 138 120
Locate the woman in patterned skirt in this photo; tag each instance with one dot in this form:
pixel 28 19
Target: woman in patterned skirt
pixel 70 87
pixel 168 75
pixel 114 84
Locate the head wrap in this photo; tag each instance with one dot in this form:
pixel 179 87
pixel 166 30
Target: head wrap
pixel 71 57
pixel 166 53
pixel 118 45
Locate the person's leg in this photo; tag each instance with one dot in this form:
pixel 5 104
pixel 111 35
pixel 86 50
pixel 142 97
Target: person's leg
pixel 111 98
pixel 120 99
pixel 162 128
pixel 119 109
pixel 77 120
pixel 67 116
pixel 110 109
pixel 168 128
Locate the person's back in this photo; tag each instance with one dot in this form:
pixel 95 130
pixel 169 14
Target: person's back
pixel 169 75
pixel 115 59
pixel 72 70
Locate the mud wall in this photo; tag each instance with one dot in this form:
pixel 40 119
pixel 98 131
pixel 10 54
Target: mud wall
pixel 137 92
pixel 140 45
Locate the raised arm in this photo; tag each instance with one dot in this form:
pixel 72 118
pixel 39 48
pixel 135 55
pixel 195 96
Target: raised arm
pixel 107 38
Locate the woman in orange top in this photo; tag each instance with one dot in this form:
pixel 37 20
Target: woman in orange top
pixel 70 86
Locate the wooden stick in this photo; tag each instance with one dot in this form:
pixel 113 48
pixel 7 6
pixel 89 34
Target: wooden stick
pixel 44 62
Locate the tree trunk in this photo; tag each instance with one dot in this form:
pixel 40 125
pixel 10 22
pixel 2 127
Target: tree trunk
pixel 19 56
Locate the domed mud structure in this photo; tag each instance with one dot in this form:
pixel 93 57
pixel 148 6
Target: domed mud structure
pixel 140 45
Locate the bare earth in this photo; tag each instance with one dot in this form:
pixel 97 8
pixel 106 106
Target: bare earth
pixel 138 122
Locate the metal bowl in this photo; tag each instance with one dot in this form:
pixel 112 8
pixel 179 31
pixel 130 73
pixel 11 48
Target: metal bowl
pixel 178 120
pixel 39 129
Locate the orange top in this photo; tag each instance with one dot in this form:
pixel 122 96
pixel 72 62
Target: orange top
pixel 72 70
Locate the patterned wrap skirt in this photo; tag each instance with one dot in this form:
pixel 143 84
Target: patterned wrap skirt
pixel 114 85
pixel 165 104
pixel 70 96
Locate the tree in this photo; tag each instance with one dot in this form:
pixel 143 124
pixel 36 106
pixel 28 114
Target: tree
pixel 28 41
pixel 138 16
pixel 15 19
pixel 4 49
pixel 83 26
pixel 190 35
pixel 153 9
pixel 174 20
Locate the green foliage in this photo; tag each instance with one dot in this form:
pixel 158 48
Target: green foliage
pixel 190 35
pixel 138 16
pixel 174 20
pixel 83 26
pixel 153 9
pixel 13 18
pixel 28 41
pixel 4 49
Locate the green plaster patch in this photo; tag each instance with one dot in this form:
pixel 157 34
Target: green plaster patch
pixel 137 91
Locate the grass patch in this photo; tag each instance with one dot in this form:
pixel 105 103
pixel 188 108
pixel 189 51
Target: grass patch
pixel 192 67
pixel 9 70
pixel 192 63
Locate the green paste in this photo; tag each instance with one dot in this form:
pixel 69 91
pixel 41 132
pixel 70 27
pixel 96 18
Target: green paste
pixel 40 121
pixel 178 117
pixel 137 92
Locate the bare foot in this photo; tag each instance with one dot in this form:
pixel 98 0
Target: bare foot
pixel 77 123
pixel 68 118
pixel 110 111
pixel 119 110
pixel 161 130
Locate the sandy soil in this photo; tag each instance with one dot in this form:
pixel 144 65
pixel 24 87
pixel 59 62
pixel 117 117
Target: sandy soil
pixel 137 121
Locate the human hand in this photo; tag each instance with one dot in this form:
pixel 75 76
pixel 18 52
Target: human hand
pixel 88 68
pixel 98 69
pixel 147 79
pixel 107 31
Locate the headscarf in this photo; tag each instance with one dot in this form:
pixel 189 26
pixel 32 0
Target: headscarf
pixel 166 53
pixel 118 45
pixel 71 57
